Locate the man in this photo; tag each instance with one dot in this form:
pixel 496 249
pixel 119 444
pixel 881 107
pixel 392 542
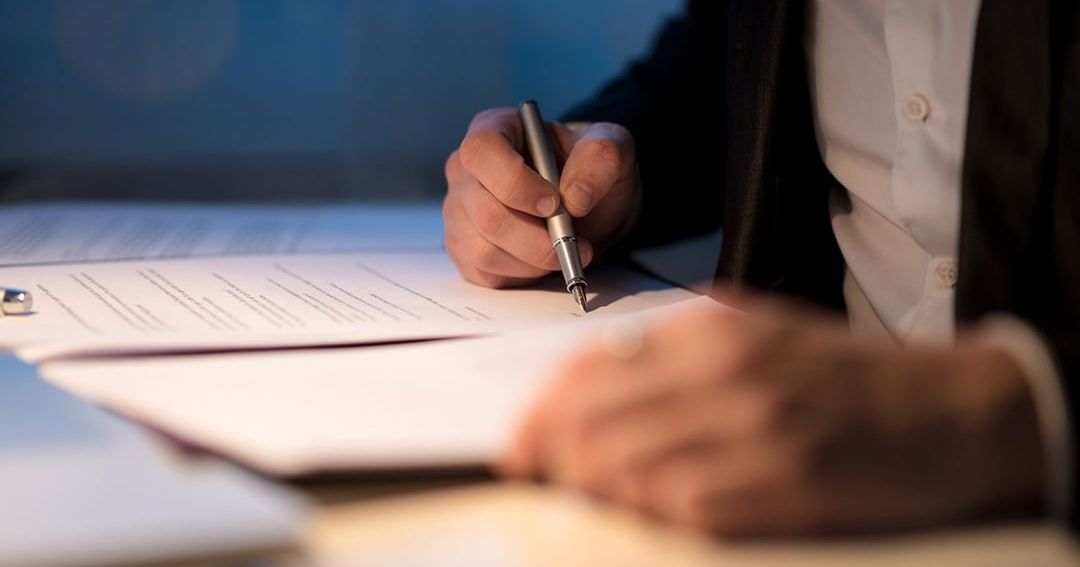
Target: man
pixel 912 162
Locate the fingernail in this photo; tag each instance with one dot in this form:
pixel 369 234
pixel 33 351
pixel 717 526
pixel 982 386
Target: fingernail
pixel 546 206
pixel 580 197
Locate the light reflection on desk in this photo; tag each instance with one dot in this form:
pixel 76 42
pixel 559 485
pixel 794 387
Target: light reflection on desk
pixel 527 526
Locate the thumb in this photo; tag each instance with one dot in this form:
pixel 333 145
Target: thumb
pixel 601 156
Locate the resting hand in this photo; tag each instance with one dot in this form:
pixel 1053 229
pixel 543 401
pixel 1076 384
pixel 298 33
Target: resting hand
pixel 784 424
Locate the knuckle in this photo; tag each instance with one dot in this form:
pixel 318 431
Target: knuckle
pixel 447 208
pixel 615 131
pixel 604 152
pixel 451 249
pixel 484 255
pixel 454 251
pixel 491 219
pixel 452 163
pixel 451 231
pixel 474 145
pixel 627 144
pixel 514 184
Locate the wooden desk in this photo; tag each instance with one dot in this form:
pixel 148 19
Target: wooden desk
pixel 503 524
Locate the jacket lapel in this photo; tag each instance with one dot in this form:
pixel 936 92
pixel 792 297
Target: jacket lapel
pixel 777 233
pixel 1010 118
pixel 759 30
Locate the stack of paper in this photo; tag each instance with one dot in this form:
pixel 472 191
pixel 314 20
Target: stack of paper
pixel 431 405
pixel 202 304
pixel 187 344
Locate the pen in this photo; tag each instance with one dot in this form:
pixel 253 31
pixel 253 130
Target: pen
pixel 15 301
pixel 559 224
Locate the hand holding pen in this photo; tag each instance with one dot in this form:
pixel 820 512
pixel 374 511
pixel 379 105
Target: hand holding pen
pixel 496 205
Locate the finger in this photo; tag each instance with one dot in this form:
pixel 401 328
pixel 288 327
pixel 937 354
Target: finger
pixel 690 486
pixel 619 452
pixel 613 387
pixel 630 409
pixel 611 453
pixel 530 450
pixel 491 152
pixel 730 490
pixel 595 387
pixel 593 383
pixel 523 236
pixel 614 452
pixel 462 258
pixel 601 160
pixel 483 254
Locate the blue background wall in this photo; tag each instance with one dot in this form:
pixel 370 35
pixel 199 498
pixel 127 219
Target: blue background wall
pixel 384 87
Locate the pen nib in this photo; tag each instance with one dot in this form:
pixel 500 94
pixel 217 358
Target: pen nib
pixel 579 296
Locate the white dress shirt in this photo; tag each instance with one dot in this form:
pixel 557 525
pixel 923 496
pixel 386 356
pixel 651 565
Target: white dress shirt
pixel 890 82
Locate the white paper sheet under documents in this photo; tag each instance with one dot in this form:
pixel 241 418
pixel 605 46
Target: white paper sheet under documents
pixel 79 486
pixel 440 404
pixel 214 304
pixel 81 231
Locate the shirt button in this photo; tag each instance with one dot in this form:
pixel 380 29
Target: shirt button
pixel 917 108
pixel 947 273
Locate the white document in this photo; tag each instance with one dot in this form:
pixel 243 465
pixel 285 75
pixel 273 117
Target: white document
pixel 78 486
pixel 448 403
pixel 79 232
pixel 214 304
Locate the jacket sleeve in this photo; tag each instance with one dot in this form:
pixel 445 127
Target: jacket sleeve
pixel 1065 345
pixel 673 102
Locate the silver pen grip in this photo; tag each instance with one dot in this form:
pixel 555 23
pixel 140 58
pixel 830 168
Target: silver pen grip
pixel 567 251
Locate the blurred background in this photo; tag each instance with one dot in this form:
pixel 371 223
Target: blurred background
pixel 280 99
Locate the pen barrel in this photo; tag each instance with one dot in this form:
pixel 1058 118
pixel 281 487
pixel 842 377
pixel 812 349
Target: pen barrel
pixel 560 225
pixel 540 150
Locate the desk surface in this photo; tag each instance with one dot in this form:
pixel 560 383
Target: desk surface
pixel 504 524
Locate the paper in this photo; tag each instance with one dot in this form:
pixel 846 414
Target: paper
pixel 441 404
pixel 79 232
pixel 78 486
pixel 202 304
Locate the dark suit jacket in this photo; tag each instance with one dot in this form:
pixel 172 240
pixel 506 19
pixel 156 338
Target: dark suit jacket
pixel 722 116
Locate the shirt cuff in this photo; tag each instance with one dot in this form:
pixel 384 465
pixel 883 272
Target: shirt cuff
pixel 1019 339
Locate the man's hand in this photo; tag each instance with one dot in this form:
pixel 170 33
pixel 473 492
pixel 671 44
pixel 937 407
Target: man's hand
pixel 495 204
pixel 782 423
